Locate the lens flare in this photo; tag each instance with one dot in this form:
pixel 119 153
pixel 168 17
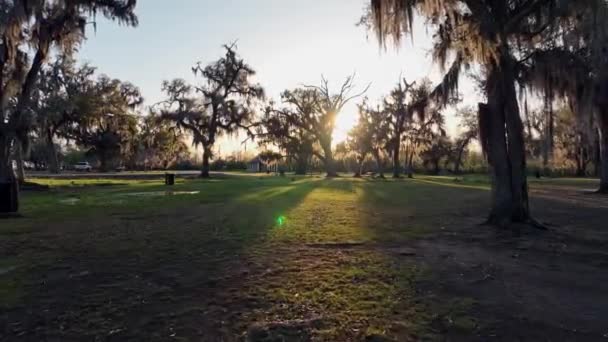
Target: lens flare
pixel 281 220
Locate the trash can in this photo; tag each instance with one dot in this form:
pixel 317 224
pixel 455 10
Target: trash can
pixel 169 178
pixel 9 197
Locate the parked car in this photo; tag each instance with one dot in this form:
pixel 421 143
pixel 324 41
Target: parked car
pixel 83 166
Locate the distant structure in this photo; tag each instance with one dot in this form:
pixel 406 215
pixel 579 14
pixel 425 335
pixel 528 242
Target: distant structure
pixel 257 165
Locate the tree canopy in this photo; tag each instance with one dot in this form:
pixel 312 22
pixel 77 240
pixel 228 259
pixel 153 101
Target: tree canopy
pixel 224 102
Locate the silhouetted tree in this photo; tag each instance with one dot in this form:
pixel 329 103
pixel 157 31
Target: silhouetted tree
pixel 106 123
pixel 421 133
pixel 574 141
pixel 224 102
pixel 63 94
pixel 288 135
pixel 30 29
pixel 403 102
pixel 575 70
pixel 470 131
pixel 441 149
pixel 499 36
pixel 270 157
pixel 370 136
pixel 314 109
pixel 158 144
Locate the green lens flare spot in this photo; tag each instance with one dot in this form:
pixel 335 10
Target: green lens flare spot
pixel 281 220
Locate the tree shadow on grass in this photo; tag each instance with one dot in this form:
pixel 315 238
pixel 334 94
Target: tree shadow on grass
pixel 479 281
pixel 141 273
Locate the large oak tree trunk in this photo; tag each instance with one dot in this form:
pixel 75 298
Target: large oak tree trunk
pixel 436 167
pixel 19 161
pixel 105 160
pixel 458 161
pixel 52 158
pixel 206 157
pixel 496 151
pixel 410 164
pixel 505 149
pixel 9 187
pixel 302 164
pixel 517 148
pixel 330 166
pixel 603 123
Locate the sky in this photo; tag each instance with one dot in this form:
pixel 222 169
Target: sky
pixel 288 43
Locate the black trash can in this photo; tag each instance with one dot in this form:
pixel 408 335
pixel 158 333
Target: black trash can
pixel 169 178
pixel 9 197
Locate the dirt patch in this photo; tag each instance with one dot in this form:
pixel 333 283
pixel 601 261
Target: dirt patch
pixel 531 286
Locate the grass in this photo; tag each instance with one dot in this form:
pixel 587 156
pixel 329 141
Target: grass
pixel 218 257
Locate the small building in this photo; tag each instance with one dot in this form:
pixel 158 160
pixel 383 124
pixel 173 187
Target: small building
pixel 257 165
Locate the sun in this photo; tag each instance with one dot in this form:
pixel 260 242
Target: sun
pixel 344 123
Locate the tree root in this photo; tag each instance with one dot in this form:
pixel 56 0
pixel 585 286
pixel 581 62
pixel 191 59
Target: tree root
pixel 537 224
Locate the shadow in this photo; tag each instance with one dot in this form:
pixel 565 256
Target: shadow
pixel 146 269
pixel 276 258
pixel 469 271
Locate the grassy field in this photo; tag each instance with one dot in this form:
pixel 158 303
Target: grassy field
pixel 266 258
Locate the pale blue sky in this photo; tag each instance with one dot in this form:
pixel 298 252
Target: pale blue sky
pixel 288 42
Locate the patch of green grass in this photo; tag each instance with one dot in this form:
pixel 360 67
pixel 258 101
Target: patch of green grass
pixel 356 294
pixel 81 182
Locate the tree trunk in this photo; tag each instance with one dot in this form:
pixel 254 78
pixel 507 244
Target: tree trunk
pixel 359 167
pixel 19 161
pixel 103 163
pixel 458 161
pixel 496 151
pixel 396 151
pixel 517 148
pixel 581 164
pixel 545 154
pixel 9 187
pixel 53 161
pixel 379 164
pixel 506 149
pixel 206 157
pixel 580 169
pixel 410 164
pixel 603 123
pixel 597 156
pixel 302 163
pixel 330 166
